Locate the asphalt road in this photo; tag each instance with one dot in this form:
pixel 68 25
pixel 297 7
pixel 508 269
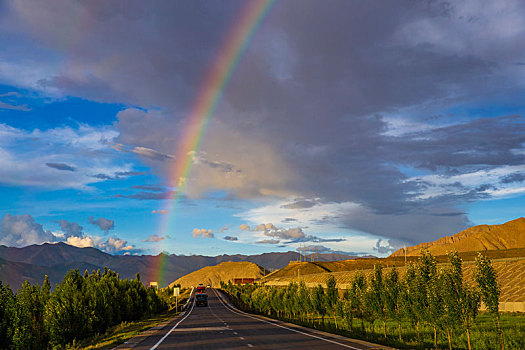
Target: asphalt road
pixel 220 326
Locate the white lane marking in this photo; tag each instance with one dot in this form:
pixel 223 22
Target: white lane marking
pixel 242 313
pixel 171 330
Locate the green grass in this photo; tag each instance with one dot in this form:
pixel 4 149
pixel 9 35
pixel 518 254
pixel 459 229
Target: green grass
pixel 483 332
pixel 120 333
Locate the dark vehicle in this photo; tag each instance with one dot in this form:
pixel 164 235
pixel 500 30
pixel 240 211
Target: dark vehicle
pixel 201 299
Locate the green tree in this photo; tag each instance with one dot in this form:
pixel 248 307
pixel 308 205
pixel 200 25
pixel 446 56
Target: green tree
pixel 393 288
pixel 67 315
pixel 461 302
pixel 304 304
pixel 7 316
pixel 319 301
pixel 29 331
pixel 332 297
pixel 428 301
pixel 376 296
pixel 357 298
pixel 489 289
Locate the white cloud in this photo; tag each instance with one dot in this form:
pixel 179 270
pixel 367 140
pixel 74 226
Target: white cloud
pixel 154 238
pixel 25 157
pixel 205 233
pixel 319 217
pixel 22 230
pixel 490 182
pixel 81 242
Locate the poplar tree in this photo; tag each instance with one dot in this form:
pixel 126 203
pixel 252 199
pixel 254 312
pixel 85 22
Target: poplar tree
pixel 304 299
pixel 409 298
pixel 393 290
pixel 489 290
pixel 7 315
pixel 29 332
pixel 462 303
pixel 319 301
pixel 357 297
pixel 376 295
pixel 428 301
pixel 332 296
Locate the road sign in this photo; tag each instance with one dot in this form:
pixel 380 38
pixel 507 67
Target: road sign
pixel 176 291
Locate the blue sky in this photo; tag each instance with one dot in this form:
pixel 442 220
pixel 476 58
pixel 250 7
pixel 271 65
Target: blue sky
pixel 351 128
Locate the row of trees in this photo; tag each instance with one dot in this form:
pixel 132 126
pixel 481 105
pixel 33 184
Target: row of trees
pixel 425 296
pixel 38 318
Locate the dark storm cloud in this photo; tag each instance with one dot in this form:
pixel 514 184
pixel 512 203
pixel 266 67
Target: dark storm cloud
pixel 519 177
pixel 130 173
pixel 300 204
pixel 268 241
pixel 149 188
pixel 294 235
pixel 70 228
pixel 120 175
pixel 334 79
pixel 102 223
pixel 149 195
pixel 103 177
pixel 61 166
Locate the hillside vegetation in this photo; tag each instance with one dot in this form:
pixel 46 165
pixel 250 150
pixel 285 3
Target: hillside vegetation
pixel 226 271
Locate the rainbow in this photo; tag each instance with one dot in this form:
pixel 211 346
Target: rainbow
pixel 205 104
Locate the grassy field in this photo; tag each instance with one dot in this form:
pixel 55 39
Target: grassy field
pixel 483 334
pixel 122 332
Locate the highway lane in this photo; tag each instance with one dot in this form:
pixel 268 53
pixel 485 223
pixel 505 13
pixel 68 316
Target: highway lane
pixel 220 326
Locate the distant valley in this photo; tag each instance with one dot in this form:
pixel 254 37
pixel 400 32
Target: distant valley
pixel 33 262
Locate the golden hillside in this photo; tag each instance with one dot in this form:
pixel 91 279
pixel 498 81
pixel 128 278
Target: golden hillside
pixel 225 271
pixel 478 238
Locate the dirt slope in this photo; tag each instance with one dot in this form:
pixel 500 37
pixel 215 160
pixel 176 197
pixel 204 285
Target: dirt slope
pixel 226 271
pixel 478 238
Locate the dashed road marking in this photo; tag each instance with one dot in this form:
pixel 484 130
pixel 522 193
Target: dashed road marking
pixel 242 313
pixel 171 330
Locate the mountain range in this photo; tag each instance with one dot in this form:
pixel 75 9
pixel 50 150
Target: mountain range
pixel 33 262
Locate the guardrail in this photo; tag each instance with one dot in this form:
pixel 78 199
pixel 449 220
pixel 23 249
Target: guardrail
pixel 188 301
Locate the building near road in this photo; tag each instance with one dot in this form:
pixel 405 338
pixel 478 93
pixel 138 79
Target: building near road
pixel 243 280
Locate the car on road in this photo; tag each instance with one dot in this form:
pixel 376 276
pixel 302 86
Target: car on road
pixel 201 299
pixel 201 288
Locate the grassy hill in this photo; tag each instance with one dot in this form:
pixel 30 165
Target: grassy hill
pixel 478 238
pixel 225 271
